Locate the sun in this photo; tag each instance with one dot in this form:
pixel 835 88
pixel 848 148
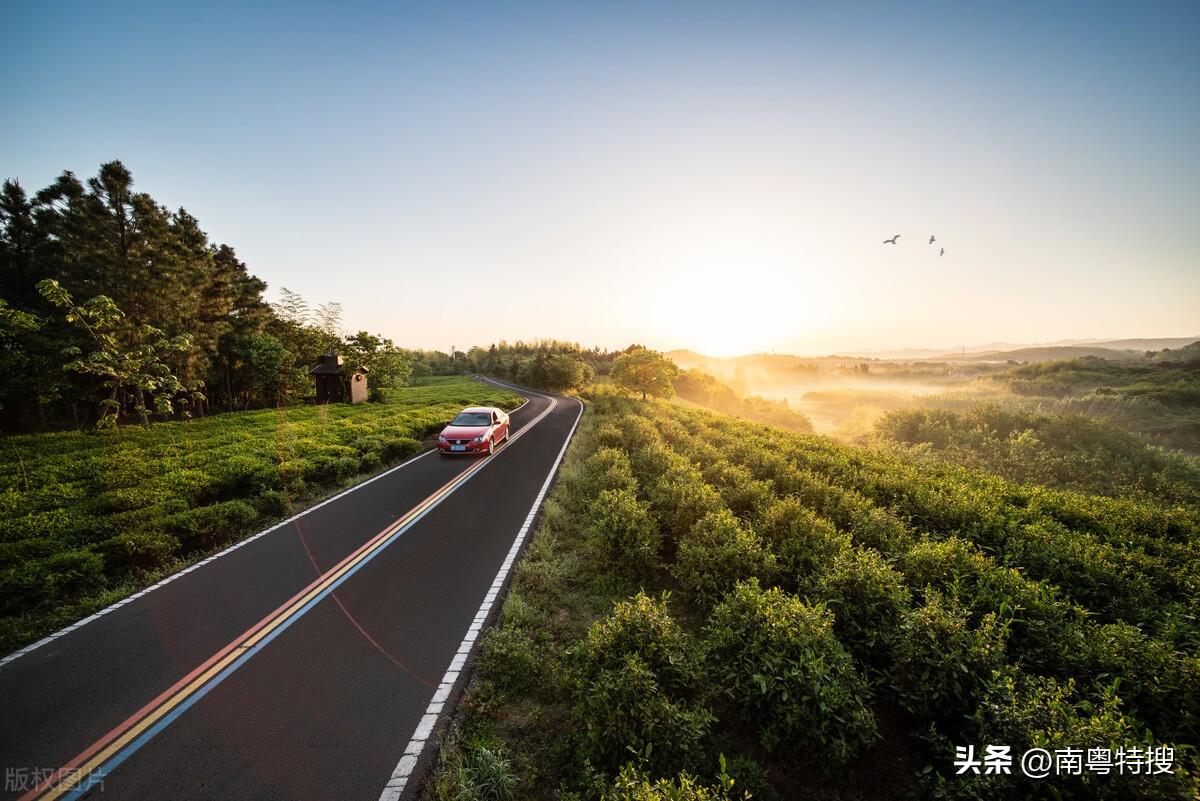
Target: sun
pixel 721 313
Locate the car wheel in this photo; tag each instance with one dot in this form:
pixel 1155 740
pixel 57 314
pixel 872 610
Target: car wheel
pixel 506 433
pixel 491 446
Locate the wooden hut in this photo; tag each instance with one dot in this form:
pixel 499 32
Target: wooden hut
pixel 337 383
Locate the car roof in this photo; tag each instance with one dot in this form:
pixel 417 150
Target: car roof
pixel 480 409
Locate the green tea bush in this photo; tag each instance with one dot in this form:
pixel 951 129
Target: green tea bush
pixel 606 469
pixel 609 435
pixel 239 476
pixel 805 544
pixel 623 528
pixel 745 495
pixel 397 448
pixel 637 689
pixel 868 600
pixel 779 662
pixel 293 474
pixel 1026 711
pixel 63 574
pixel 1037 615
pixel 1124 585
pixel 718 552
pixel 680 498
pixel 147 549
pixel 272 503
pixel 207 526
pixel 1159 685
pixel 943 664
pixel 638 433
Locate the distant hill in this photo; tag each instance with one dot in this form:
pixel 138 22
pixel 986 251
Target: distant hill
pixel 1187 355
pixel 1053 353
pixel 1112 349
pixel 1161 343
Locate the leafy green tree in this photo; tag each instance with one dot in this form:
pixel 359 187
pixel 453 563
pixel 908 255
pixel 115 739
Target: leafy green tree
pixel 645 371
pixel 15 327
pixel 387 365
pixel 257 369
pixel 124 361
pixel 563 373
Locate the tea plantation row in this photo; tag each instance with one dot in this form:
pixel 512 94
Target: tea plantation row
pixel 836 620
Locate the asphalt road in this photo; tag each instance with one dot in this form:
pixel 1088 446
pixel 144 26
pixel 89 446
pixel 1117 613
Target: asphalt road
pixel 297 666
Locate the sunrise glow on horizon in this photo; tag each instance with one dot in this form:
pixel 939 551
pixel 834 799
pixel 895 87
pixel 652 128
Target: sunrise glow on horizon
pixel 698 176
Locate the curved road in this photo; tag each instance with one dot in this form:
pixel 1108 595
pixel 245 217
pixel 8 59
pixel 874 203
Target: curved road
pixel 312 661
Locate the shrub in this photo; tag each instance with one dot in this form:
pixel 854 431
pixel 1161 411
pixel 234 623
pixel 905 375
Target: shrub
pixel 639 433
pixel 805 544
pixel 237 476
pixel 53 578
pixel 397 448
pixel 1037 616
pixel 623 528
pixel 740 491
pixel 776 657
pixel 211 525
pixel 868 599
pixel 1025 711
pixel 942 664
pixel 147 549
pixel 609 436
pixel 637 689
pixel 512 661
pixel 74 572
pixel 608 468
pixel 1158 684
pixel 272 503
pixel 719 552
pixel 22 585
pixel 681 498
pixel 633 785
pixel 293 473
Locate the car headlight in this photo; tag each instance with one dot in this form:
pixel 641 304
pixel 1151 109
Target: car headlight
pixel 441 438
pixel 478 439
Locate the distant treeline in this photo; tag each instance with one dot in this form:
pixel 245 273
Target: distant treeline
pixel 1158 397
pixel 114 307
pixel 543 364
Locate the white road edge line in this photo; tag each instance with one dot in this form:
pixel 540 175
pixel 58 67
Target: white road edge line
pixel 180 573
pixel 421 736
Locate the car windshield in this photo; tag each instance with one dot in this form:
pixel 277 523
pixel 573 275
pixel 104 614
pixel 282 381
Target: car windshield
pixel 472 419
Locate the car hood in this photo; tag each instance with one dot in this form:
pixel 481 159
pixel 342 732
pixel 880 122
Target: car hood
pixel 463 432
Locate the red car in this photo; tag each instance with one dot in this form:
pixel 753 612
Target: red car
pixel 478 429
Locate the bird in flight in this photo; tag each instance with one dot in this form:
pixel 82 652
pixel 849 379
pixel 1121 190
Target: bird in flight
pixel 932 239
pixel 943 253
pixel 891 241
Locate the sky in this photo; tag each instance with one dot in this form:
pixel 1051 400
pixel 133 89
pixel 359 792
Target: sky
pixel 714 176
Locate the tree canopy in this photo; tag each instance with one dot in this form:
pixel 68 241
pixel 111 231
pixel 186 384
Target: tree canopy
pixel 645 371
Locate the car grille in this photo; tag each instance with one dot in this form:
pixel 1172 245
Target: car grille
pixel 458 441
